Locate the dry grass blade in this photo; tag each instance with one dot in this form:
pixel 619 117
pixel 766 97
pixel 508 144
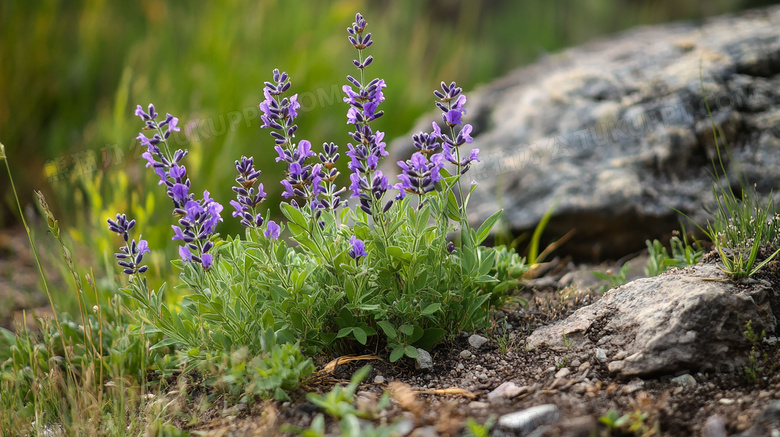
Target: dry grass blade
pixel 334 364
pixel 405 396
pixel 448 391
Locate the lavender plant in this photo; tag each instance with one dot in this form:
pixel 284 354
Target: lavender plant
pixel 379 261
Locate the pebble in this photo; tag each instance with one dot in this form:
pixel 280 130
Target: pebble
pixel 426 431
pixel 476 341
pixel 563 373
pixel 506 390
pixel 726 401
pixel 460 366
pixel 584 366
pixel 404 426
pixel 465 354
pixel 685 381
pixel 576 363
pixel 478 405
pixel 620 355
pixel 714 427
pixel 557 382
pixel 615 366
pixel 601 355
pixel 424 360
pixel 379 379
pixel 526 421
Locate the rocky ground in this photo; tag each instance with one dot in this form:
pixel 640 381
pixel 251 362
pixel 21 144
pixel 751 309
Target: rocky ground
pixel 495 377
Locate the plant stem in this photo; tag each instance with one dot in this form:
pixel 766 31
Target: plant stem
pixel 35 253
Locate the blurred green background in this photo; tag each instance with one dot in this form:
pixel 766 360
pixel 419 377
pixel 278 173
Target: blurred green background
pixel 71 72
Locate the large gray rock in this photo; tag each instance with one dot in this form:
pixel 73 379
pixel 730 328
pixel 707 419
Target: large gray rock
pixel 691 319
pixel 617 131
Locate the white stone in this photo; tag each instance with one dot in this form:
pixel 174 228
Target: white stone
pixel 476 341
pixel 424 360
pixel 526 421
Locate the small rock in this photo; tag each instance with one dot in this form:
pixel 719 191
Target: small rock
pixel 465 354
pixel 726 401
pixel 404 426
pixel 506 390
pixel 424 360
pixel 576 363
pixel 460 366
pixel 620 355
pixel 601 355
pixel 633 386
pixel 379 379
pixel 770 340
pixel 563 373
pixel 615 366
pixel 685 381
pixel 714 427
pixel 526 421
pixel 478 405
pixel 476 341
pixel 426 431
pixel 584 366
pixel 584 426
pixel 557 382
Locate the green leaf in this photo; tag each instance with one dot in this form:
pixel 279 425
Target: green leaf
pixel 397 353
pixel 360 335
pixel 294 215
pixel 430 309
pixel 487 225
pixel 388 329
pixel 164 343
pixel 410 351
pixel 430 338
pixel 406 329
pixel 533 249
pixel 397 252
pixel 343 332
pixel 417 334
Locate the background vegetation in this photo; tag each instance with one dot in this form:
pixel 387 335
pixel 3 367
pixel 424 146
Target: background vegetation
pixel 71 73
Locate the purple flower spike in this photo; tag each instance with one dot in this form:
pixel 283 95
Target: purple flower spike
pixel 248 196
pixel 358 248
pixel 131 254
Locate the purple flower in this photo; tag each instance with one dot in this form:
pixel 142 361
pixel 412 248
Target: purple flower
pixel 452 117
pixel 465 163
pixel 206 260
pixel 419 175
pixel 131 254
pixel 184 253
pixel 358 248
pixel 196 228
pixel 451 247
pixel 248 197
pixel 272 230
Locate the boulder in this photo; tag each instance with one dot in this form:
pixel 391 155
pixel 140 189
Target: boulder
pixel 616 133
pixel 683 320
